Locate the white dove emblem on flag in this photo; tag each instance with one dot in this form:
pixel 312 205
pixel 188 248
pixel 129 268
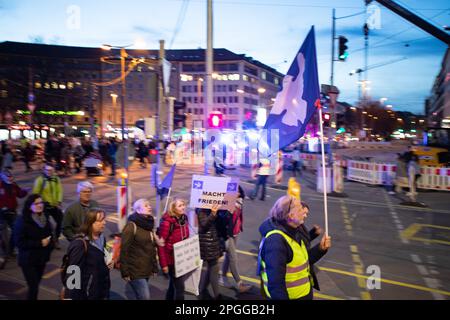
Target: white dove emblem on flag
pixel 290 97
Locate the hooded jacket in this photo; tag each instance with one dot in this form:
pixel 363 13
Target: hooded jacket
pixel 276 250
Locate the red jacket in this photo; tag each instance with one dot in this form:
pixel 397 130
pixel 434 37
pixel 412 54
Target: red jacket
pixel 9 195
pixel 172 232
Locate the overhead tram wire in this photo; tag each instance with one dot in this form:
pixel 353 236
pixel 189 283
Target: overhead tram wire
pixel 180 20
pixel 278 4
pixel 407 29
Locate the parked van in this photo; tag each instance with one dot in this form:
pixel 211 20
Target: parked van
pixel 433 157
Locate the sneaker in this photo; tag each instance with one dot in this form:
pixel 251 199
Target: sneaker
pixel 2 264
pixel 391 193
pixel 243 288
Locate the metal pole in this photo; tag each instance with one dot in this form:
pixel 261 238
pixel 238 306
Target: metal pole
pixel 366 57
pixel 333 37
pixel 332 120
pixel 158 126
pixel 209 71
pixel 123 56
pixel 324 175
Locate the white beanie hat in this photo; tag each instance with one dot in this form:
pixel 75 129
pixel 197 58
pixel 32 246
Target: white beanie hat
pixel 84 185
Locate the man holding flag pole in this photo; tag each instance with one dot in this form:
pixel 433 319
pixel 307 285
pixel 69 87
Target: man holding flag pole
pixel 286 258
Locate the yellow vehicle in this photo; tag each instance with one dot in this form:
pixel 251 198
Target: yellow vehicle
pixel 430 156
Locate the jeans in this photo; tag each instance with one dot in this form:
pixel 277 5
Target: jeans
pixel 176 286
pixel 262 180
pixel 210 275
pixel 230 261
pixel 140 289
pixel 33 275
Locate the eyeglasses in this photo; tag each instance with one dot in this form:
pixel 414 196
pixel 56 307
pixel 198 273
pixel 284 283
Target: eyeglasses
pixel 289 209
pixel 38 203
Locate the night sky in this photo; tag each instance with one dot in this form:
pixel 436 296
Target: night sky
pixel 270 31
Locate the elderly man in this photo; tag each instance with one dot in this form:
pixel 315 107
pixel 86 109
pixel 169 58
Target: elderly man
pixel 286 259
pixel 76 212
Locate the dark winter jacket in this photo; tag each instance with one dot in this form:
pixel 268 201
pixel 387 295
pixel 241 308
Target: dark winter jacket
pixel 95 281
pixel 210 243
pixel 138 248
pixel 172 230
pixel 276 250
pixel 9 194
pixel 28 236
pixel 230 224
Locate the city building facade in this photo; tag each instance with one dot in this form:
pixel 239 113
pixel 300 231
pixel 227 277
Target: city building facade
pixel 72 88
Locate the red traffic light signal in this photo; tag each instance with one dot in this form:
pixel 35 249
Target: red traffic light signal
pixel 215 120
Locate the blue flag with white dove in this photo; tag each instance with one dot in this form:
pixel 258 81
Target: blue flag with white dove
pixel 299 96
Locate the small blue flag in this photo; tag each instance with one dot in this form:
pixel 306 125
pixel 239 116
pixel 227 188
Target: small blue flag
pixel 166 184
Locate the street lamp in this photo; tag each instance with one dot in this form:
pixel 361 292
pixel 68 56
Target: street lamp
pixel 114 102
pixel 123 56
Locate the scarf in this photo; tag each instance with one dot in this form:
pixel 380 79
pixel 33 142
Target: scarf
pixel 145 222
pixel 41 220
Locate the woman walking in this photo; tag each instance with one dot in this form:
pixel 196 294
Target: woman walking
pixel 88 252
pixel 210 251
pixel 138 253
pixel 174 227
pixel 34 238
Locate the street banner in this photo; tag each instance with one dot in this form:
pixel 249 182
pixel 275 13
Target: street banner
pixel 207 191
pixel 187 256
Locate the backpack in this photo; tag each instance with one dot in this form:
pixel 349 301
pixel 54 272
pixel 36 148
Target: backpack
pixel 63 269
pixel 65 262
pixel 117 247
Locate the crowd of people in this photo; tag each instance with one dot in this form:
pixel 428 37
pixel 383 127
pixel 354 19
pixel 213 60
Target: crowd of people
pixel 68 154
pixel 147 249
pixel 286 256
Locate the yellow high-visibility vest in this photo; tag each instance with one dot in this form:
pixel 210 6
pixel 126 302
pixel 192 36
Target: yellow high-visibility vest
pixel 298 283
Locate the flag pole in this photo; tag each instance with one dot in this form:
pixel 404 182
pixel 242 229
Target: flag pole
pixel 167 200
pixel 324 176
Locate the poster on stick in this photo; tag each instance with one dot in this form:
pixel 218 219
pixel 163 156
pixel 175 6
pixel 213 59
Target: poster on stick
pixel 207 191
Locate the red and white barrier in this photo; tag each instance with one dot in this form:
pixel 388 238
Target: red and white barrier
pixel 122 210
pixel 432 178
pixel 338 178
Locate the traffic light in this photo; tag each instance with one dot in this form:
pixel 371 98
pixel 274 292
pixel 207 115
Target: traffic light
pixel 215 119
pixel 343 54
pixel 179 117
pixel 326 119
